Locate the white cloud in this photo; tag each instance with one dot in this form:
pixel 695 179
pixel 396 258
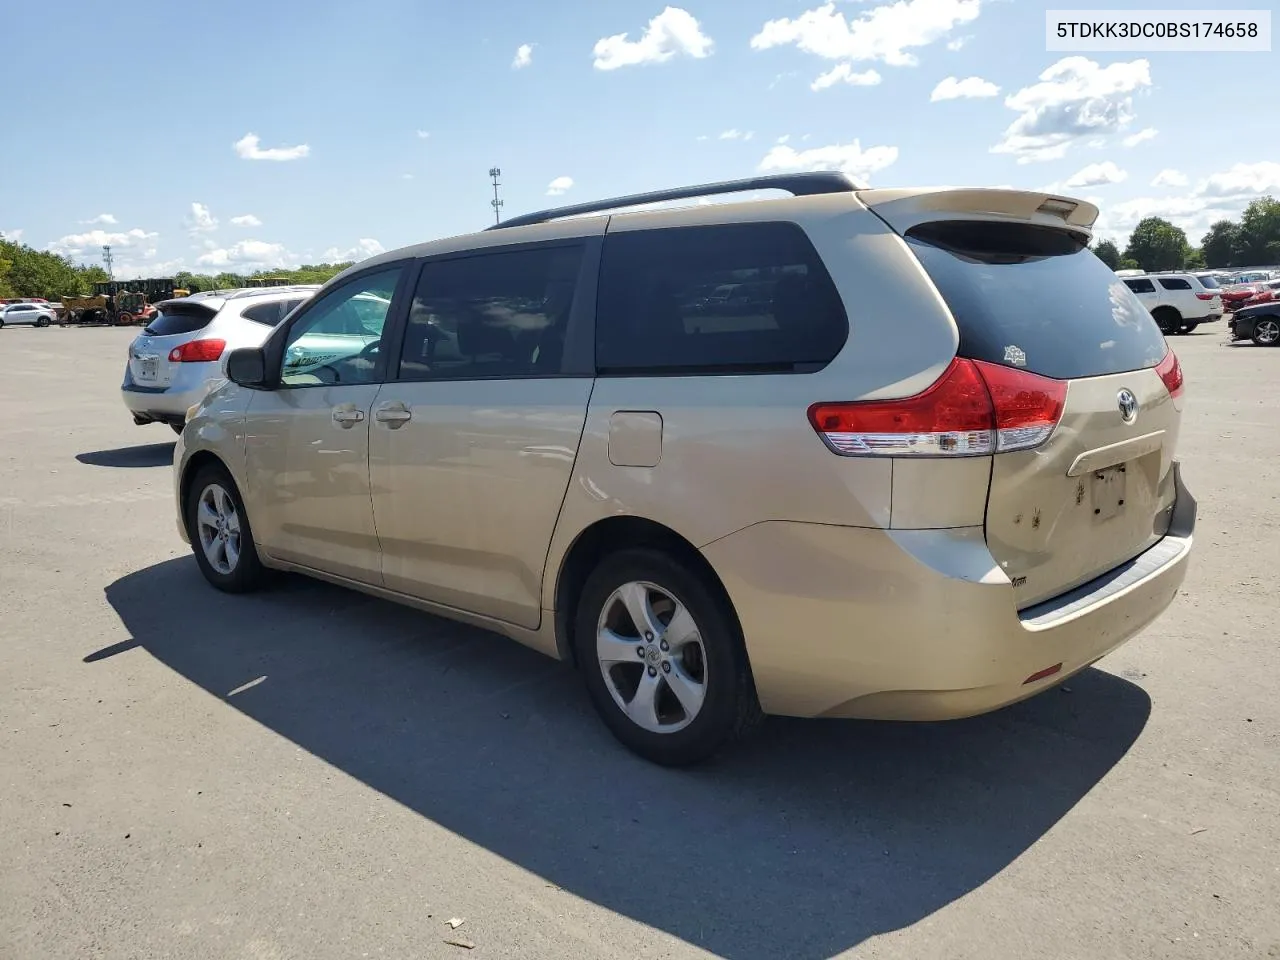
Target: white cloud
pixel 953 88
pixel 247 148
pixel 673 31
pixel 784 138
pixel 424 134
pixel 958 43
pixel 77 245
pixel 1142 136
pixel 849 158
pixel 247 255
pixel 1170 178
pixel 886 33
pixel 201 220
pixel 844 73
pixel 364 248
pixel 1076 99
pixel 731 135
pixel 1243 180
pixel 13 236
pixel 523 57
pixel 246 220
pixel 1096 175
pixel 102 218
pixel 559 185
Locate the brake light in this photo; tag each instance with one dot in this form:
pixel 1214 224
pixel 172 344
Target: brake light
pixel 973 409
pixel 1170 371
pixel 197 351
pixel 1204 296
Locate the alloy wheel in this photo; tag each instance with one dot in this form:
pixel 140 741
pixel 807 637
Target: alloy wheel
pixel 218 526
pixel 651 654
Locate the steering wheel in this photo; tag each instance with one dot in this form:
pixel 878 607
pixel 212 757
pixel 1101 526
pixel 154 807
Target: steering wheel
pixel 369 350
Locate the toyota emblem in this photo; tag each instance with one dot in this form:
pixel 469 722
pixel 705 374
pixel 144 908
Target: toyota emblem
pixel 1128 404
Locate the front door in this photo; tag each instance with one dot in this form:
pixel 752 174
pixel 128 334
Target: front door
pixel 473 438
pixel 307 442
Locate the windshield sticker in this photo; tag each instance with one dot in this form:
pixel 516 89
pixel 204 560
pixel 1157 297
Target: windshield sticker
pixel 1015 356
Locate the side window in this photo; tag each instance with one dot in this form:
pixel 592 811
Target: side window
pixel 740 298
pixel 337 339
pixel 1175 284
pixel 494 314
pixel 264 313
pixel 1141 286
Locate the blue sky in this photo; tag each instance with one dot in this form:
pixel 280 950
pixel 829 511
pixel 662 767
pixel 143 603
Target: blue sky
pixel 387 117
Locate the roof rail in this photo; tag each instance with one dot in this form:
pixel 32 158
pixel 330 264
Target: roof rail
pixel 797 184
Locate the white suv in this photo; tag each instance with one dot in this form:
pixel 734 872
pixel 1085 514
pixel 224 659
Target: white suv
pixel 177 358
pixel 1179 302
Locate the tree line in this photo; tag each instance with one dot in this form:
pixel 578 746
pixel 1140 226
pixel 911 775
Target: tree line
pixel 1156 244
pixel 27 272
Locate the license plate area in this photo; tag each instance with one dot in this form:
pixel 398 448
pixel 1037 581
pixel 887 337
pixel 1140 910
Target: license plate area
pixel 148 368
pixel 1108 492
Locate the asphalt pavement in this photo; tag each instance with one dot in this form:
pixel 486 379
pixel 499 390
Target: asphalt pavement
pixel 308 773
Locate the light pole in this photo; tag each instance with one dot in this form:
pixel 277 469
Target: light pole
pixel 496 203
pixel 107 259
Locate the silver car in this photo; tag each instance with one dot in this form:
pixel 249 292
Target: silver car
pixel 177 358
pixel 35 314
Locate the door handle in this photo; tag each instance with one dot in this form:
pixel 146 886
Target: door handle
pixel 394 415
pixel 346 417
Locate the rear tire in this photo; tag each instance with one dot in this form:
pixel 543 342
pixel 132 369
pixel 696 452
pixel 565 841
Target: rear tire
pixel 1266 331
pixel 42 322
pixel 1167 319
pixel 691 694
pixel 1186 328
pixel 221 537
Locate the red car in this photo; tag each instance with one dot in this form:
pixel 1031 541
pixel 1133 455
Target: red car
pixel 1263 292
pixel 1236 296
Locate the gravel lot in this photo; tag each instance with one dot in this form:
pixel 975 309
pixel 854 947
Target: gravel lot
pixel 308 773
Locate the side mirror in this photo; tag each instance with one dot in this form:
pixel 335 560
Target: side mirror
pixel 248 367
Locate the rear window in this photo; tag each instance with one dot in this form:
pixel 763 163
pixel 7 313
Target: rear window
pixel 737 298
pixel 1174 284
pixel 179 317
pixel 1036 298
pixel 269 314
pixel 1209 283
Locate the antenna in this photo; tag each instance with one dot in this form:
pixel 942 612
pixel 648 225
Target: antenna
pixel 108 260
pixel 496 203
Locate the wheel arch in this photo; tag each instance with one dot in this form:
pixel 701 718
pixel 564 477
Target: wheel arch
pixel 195 463
pixel 611 535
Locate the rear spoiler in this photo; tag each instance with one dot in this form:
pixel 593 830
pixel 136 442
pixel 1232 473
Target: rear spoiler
pixel 904 209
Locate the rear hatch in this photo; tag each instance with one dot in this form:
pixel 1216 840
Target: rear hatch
pixel 1028 295
pixel 177 323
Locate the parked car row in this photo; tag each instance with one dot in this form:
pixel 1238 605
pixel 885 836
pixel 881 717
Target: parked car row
pixel 720 458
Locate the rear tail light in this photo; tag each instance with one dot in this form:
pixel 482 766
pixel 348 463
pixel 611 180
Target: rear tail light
pixel 197 351
pixel 974 409
pixel 1170 371
pixel 1204 296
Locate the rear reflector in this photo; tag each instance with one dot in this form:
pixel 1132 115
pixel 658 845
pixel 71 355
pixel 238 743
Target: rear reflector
pixel 1041 674
pixel 197 351
pixel 974 409
pixel 1170 371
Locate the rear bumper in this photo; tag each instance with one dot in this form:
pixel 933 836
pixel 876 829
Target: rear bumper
pixel 191 383
pixel 921 624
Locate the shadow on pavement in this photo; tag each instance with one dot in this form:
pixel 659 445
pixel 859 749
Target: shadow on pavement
pixel 803 843
pixel 146 455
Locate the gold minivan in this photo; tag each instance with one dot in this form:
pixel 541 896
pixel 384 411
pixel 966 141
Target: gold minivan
pixel 903 454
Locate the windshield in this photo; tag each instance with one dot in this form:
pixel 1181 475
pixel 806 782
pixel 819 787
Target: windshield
pixel 1036 298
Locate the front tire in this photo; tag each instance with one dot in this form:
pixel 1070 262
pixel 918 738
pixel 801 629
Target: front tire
pixel 220 534
pixel 1266 331
pixel 663 659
